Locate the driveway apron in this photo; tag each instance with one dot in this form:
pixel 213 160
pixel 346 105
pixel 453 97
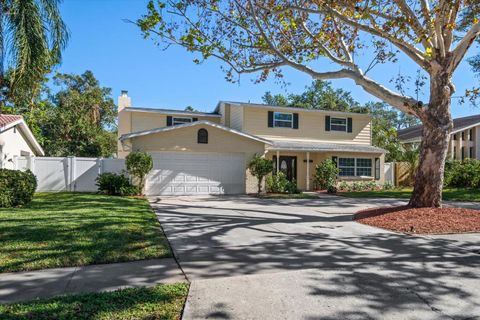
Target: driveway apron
pixel 250 258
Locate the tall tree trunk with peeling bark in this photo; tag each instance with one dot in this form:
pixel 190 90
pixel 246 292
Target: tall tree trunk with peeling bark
pixel 437 126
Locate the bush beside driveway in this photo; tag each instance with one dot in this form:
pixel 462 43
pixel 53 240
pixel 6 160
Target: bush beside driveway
pixel 74 229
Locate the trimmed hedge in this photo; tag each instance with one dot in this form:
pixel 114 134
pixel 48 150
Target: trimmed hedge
pixel 16 187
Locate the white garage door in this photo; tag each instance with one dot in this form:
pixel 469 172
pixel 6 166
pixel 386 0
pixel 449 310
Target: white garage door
pixel 191 173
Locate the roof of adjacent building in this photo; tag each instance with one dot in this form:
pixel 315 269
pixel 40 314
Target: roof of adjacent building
pixel 173 112
pixel 8 121
pixel 313 146
pixel 459 124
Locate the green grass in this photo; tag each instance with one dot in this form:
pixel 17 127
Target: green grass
pixel 72 229
pixel 287 196
pixel 159 302
pixel 449 194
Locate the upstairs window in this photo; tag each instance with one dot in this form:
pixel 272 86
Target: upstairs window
pixel 338 124
pixel 202 136
pixel 282 120
pixel 470 135
pixel 177 121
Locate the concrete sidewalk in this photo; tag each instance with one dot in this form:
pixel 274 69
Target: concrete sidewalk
pixel 24 286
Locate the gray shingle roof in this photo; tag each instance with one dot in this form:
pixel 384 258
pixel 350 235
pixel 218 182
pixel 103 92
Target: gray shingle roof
pixel 458 125
pixel 324 147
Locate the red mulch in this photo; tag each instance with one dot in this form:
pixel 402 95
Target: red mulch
pixel 421 220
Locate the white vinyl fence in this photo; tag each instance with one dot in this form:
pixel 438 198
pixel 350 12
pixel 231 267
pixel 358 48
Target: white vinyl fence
pixel 390 172
pixel 68 173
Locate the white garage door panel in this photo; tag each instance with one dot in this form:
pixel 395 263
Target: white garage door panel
pixel 190 173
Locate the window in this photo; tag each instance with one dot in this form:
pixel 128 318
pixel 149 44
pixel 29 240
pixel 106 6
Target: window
pixel 364 167
pixel 463 135
pixel 355 167
pixel 471 153
pixel 283 120
pixel 463 153
pixel 177 121
pixel 346 166
pixel 202 136
pixel 454 153
pixel 470 135
pixel 338 124
pixel 454 137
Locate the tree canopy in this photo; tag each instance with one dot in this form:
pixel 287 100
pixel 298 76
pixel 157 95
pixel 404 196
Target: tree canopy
pixel 78 120
pixel 32 37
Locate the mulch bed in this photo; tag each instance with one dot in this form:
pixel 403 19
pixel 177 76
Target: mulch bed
pixel 421 220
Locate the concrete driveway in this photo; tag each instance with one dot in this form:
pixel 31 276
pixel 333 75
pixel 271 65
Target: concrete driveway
pixel 248 258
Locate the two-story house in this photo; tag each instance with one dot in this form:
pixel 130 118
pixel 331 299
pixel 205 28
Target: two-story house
pixel 208 153
pixel 464 139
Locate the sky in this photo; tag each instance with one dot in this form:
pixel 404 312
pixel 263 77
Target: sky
pixel 115 51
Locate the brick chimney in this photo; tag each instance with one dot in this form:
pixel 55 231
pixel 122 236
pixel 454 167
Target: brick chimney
pixel 124 101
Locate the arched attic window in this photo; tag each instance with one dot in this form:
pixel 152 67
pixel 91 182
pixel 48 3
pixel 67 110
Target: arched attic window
pixel 202 136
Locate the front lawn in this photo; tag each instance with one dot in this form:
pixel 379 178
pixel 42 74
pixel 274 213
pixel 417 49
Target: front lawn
pixel 159 302
pixel 73 229
pixel 449 194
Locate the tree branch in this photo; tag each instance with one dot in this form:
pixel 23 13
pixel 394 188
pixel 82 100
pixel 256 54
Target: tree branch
pixel 415 23
pixel 459 52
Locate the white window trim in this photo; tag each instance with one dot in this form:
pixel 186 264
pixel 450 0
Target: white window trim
pixel 174 118
pixel 291 121
pixel 346 124
pixel 372 167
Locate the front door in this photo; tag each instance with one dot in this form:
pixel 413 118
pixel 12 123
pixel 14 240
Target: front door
pixel 288 165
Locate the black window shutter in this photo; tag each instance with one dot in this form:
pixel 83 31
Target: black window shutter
pixel 327 123
pixel 349 125
pixel 335 160
pixel 194 119
pixel 169 121
pixel 377 168
pixel 270 119
pixel 295 121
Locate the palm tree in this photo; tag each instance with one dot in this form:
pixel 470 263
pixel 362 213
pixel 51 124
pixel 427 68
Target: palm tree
pixel 32 37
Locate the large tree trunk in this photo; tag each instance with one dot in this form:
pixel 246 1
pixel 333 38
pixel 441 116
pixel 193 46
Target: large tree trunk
pixel 437 126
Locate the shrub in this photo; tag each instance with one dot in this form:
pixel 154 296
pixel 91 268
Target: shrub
pixel 291 187
pixel 388 186
pixel 344 186
pixel 464 174
pixel 276 183
pixel 139 165
pixel 326 174
pixel 259 168
pixel 332 189
pixel 16 187
pixel 279 184
pixel 115 184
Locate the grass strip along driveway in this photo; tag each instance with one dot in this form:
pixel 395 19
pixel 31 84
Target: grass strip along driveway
pixel 73 229
pixel 449 194
pixel 160 302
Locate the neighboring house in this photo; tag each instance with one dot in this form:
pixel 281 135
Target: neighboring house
pixel 207 153
pixel 464 139
pixel 16 139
